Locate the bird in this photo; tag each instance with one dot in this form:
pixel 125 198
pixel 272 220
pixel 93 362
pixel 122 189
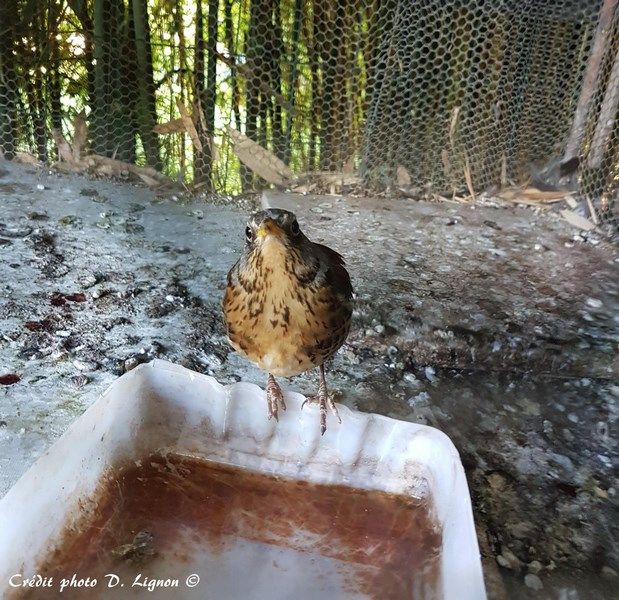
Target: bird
pixel 288 305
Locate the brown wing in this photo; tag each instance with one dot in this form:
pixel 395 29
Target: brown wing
pixel 337 276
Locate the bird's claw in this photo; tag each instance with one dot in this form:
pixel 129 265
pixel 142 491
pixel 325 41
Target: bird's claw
pixel 324 400
pixel 275 398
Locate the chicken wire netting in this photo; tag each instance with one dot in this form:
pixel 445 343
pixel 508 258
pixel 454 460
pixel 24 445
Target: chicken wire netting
pixel 450 98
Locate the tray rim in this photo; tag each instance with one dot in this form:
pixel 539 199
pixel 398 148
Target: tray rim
pixel 461 575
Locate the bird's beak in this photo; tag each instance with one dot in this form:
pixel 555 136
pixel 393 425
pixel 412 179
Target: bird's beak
pixel 269 227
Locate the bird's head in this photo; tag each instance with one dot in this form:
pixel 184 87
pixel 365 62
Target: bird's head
pixel 274 225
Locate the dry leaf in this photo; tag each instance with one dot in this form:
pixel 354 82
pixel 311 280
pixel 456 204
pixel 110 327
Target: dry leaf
pixel 113 167
pixel 259 160
pixel 198 110
pixel 173 126
pixel 349 166
pixel 452 125
pixel 148 180
pixel 64 150
pixel 304 189
pixel 576 220
pixel 80 135
pixel 446 162
pixel 467 176
pixel 26 158
pixel 592 212
pixel 532 193
pixel 327 178
pixel 403 179
pixel 189 126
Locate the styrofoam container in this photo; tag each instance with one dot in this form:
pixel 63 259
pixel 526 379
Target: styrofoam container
pixel 161 407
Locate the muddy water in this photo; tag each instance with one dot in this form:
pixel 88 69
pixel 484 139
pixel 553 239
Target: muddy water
pixel 168 518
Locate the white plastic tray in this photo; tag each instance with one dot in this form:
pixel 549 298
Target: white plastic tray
pixel 163 407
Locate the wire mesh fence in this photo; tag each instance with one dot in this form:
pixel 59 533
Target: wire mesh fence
pixel 454 96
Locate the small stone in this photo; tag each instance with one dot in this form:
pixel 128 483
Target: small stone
pixel 535 566
pixel 492 225
pixel 131 363
pixel 533 581
pixel 212 360
pixel 316 209
pixel 67 220
pixel 63 333
pixel 594 303
pixel 169 298
pixel 573 418
pixel 602 431
pixel 79 381
pixel 88 281
pixel 85 365
pixel 40 187
pixel 608 572
pixel 600 493
pixel 430 373
pixel 420 398
pixel 523 530
pixel 410 378
pixel 496 481
pixel 503 562
pixel 59 355
pixel 100 293
pixel 9 379
pixel 15 232
pixel 508 559
pixel 379 329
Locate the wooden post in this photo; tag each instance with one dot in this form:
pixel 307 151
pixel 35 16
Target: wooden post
pixel 606 120
pixel 604 26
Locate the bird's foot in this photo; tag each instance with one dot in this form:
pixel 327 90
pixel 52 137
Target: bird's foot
pixel 324 400
pixel 275 397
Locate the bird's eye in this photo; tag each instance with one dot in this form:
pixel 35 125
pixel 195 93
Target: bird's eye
pixel 294 228
pixel 249 236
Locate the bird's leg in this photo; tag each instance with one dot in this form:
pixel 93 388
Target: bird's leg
pixel 275 398
pixel 323 400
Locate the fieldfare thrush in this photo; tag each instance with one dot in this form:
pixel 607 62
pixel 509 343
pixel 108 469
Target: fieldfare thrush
pixel 287 305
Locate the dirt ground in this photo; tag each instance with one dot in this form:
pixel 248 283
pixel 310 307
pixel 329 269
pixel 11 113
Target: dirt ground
pixel 496 325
